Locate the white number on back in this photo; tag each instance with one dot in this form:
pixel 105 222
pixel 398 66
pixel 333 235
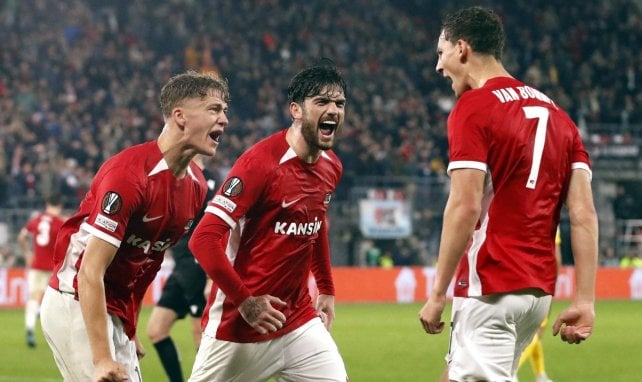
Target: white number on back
pixel 541 113
pixel 44 228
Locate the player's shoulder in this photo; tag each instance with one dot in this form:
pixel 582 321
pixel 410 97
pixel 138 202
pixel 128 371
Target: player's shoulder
pixel 128 171
pixel 33 221
pixel 267 151
pixel 138 156
pixel 332 159
pixel 492 92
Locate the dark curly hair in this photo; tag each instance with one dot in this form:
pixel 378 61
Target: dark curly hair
pixel 480 27
pixel 311 81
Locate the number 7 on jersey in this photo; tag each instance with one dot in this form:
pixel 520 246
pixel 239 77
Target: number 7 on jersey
pixel 541 113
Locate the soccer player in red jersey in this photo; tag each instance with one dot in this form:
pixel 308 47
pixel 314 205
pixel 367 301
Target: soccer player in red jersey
pixel 515 159
pixel 260 321
pixel 43 229
pixel 140 203
pixel 183 294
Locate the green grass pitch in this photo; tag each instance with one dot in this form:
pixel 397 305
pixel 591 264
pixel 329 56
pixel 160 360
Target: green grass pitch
pixel 383 342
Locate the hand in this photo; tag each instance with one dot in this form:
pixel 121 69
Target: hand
pixel 578 323
pixel 430 315
pixel 108 370
pixel 325 309
pixel 140 349
pixel 259 313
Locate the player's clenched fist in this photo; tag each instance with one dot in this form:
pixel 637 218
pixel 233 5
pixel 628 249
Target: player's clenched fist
pixel 430 315
pixel 261 315
pixel 108 370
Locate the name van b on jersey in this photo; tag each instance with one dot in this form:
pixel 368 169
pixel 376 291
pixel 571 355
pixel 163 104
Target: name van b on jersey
pixel 521 92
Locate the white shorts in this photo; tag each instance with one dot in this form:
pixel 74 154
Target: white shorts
pixel 64 330
pixel 306 354
pixel 37 281
pixel 489 333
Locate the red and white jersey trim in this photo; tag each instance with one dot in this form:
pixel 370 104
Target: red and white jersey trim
pixel 290 154
pixel 215 313
pixel 582 166
pixel 67 271
pixel 162 166
pixel 221 214
pixel 467 164
pixel 100 234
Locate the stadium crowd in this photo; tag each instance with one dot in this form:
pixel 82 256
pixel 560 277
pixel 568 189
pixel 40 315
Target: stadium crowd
pixel 79 78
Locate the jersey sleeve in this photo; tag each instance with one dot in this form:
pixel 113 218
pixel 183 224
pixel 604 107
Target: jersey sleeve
pixel 117 198
pixel 580 155
pixel 467 138
pixel 242 188
pixel 206 243
pixel 321 266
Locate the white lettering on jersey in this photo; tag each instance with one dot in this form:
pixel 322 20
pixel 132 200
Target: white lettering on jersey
pixel 523 92
pixel 224 202
pixel 106 223
pixel 146 245
pixel 292 228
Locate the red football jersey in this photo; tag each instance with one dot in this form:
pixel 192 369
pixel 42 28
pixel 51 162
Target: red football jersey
pixel 136 204
pixel 528 147
pixel 44 229
pixel 276 205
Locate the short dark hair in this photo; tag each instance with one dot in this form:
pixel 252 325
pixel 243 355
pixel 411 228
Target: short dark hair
pixel 480 27
pixel 54 200
pixel 191 84
pixel 311 81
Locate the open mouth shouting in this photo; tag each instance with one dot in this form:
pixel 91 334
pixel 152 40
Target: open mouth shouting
pixel 216 135
pixel 327 128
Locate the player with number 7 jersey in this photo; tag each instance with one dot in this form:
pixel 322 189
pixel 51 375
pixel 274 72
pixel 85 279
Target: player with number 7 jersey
pixel 528 147
pixel 515 159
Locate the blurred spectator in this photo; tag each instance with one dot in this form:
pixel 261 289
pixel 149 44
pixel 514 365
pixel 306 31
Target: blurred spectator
pixel 372 253
pixel 386 260
pixel 608 258
pixel 632 259
pixel 406 253
pixel 624 204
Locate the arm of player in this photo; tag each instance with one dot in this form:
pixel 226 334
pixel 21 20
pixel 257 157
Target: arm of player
pixel 322 271
pixel 23 242
pixel 460 217
pixel 91 295
pixel 576 322
pixel 206 245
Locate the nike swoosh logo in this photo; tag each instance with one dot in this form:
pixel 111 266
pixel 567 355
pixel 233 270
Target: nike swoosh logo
pixel 147 220
pixel 285 204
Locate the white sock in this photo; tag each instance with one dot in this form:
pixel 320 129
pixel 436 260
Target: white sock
pixel 31 314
